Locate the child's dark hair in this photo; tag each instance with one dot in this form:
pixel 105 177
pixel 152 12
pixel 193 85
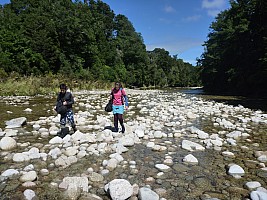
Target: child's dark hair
pixel 118 83
pixel 63 86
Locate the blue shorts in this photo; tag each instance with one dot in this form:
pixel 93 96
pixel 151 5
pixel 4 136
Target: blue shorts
pixel 118 109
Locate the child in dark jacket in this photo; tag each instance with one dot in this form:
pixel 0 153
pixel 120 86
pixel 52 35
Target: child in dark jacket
pixel 66 98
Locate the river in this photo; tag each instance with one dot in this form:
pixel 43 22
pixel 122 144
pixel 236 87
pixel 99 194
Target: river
pixel 165 111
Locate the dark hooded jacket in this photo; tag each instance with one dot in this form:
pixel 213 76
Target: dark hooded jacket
pixel 66 97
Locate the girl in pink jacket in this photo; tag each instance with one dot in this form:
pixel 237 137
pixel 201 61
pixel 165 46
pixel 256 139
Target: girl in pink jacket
pixel 119 98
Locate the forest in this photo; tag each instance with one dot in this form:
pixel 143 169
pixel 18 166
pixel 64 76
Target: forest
pixel 235 56
pixel 83 40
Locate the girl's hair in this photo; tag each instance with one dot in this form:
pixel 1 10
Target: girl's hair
pixel 118 83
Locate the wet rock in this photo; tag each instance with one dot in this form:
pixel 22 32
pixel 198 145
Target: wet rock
pixel 237 192
pixel 95 177
pixel 162 167
pixel 180 167
pixel 262 173
pixel 75 184
pixel 190 159
pixel 191 146
pixel 202 182
pixel 147 194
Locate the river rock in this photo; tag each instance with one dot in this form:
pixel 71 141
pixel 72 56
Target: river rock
pixel 71 151
pixel 162 167
pixel 228 154
pixel 20 157
pixel 147 194
pixel 119 189
pixel 192 146
pixel 36 127
pixel 95 177
pixel 190 159
pixel 252 185
pixel 236 171
pixel 126 141
pixel 11 132
pixel 139 132
pixel 28 110
pixel 29 184
pixel 16 123
pixel 150 144
pixel 79 182
pixel 10 172
pixel 29 194
pixel 44 172
pixel 258 195
pixel 56 140
pixel 28 176
pixel 7 143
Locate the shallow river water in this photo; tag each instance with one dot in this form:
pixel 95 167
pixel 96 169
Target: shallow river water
pixel 208 179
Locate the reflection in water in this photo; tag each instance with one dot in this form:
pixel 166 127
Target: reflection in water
pixel 255 104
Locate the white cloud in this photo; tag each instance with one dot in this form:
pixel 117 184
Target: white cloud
pixel 213 4
pixel 165 21
pixel 213 13
pixel 213 7
pixel 169 9
pixel 176 47
pixel 192 18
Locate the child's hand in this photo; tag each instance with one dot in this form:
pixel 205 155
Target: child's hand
pixel 126 107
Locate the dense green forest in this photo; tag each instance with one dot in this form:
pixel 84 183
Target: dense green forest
pixel 235 56
pixel 84 40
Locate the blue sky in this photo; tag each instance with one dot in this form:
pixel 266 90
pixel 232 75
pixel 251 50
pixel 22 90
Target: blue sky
pixel 178 26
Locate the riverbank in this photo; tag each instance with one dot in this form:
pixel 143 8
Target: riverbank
pixel 176 146
pixel 48 84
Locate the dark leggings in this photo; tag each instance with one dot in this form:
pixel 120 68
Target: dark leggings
pixel 118 117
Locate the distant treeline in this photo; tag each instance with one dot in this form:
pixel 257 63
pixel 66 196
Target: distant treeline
pixel 235 57
pixel 83 40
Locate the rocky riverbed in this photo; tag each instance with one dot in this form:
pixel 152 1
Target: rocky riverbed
pixel 176 146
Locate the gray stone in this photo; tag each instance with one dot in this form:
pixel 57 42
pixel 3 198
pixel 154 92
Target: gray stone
pixel 8 143
pixel 119 189
pixel 16 123
pixel 147 194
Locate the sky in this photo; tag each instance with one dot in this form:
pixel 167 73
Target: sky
pixel 179 26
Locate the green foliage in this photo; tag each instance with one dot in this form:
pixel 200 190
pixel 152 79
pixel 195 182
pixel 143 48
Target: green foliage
pixel 82 41
pixel 236 50
pixel 171 71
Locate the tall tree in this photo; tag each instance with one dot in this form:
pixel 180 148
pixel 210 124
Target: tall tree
pixel 235 50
